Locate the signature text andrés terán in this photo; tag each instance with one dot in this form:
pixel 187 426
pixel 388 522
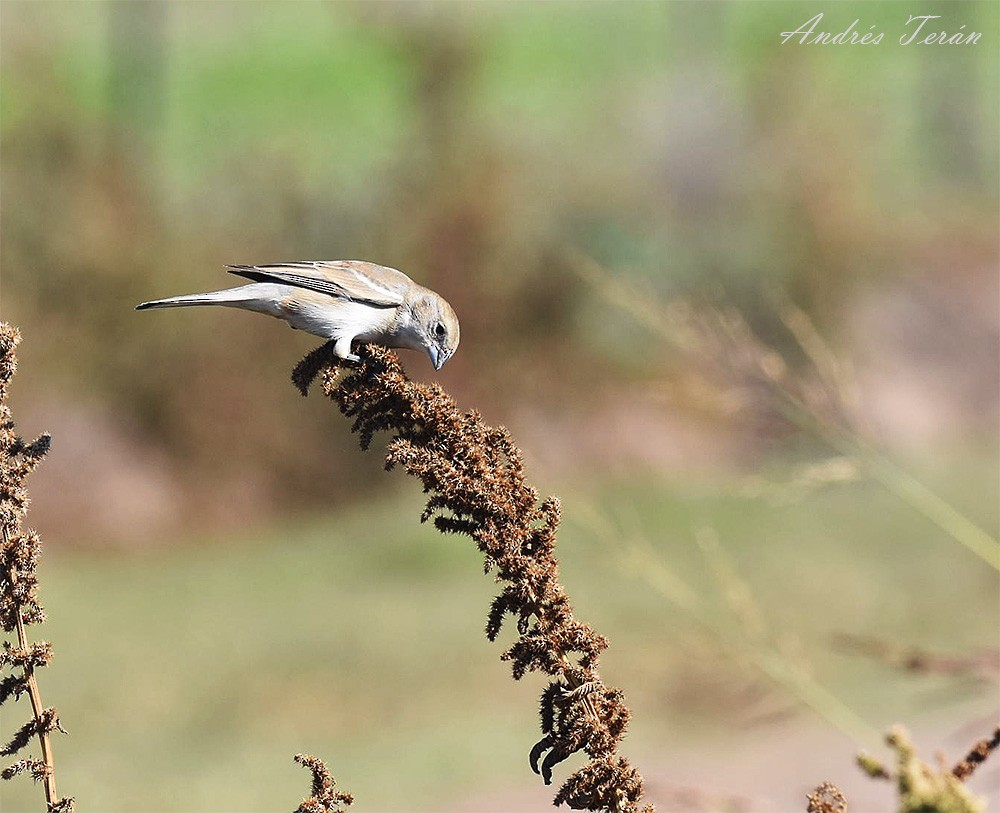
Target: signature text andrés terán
pixel 918 30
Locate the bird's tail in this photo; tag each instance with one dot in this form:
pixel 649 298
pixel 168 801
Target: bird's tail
pixel 180 301
pixel 249 297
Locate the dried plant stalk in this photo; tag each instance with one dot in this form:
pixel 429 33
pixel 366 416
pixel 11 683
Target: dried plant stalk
pixel 19 607
pixel 475 477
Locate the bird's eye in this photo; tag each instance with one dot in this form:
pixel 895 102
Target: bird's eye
pixel 439 329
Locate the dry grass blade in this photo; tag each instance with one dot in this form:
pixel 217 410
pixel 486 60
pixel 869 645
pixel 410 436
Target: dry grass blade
pixel 474 475
pixel 982 665
pixel 743 633
pixel 821 399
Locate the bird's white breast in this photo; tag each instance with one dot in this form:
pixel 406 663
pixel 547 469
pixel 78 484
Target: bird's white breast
pixel 336 318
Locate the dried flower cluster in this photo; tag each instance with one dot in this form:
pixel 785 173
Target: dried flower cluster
pixel 475 476
pixel 324 799
pixel 19 607
pixel 827 798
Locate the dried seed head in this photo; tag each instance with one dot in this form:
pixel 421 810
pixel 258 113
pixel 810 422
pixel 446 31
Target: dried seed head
pixel 19 607
pixel 324 799
pixel 827 798
pixel 474 474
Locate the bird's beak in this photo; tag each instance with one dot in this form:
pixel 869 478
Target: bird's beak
pixel 437 357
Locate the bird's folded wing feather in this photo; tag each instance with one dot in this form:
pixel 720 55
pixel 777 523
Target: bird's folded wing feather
pixel 355 280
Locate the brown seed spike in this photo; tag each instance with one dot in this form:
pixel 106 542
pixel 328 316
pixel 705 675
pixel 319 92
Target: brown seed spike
pixel 474 474
pixel 19 608
pixel 324 799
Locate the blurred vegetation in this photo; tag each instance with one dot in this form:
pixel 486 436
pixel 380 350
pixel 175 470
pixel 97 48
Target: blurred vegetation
pixel 204 667
pixel 531 162
pixel 477 147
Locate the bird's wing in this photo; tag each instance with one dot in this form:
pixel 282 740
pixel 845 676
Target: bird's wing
pixel 355 280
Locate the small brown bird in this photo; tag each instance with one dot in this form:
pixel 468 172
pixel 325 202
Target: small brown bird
pixel 343 301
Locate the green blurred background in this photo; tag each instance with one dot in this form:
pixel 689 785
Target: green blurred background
pixel 602 190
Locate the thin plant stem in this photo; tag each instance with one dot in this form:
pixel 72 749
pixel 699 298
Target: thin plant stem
pixel 643 560
pixel 898 482
pixel 51 796
pixel 851 444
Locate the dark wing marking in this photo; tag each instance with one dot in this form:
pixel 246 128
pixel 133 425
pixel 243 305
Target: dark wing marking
pixel 353 284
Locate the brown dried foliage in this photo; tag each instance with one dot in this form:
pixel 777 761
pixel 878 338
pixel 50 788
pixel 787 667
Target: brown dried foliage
pixel 325 798
pixel 19 607
pixel 474 475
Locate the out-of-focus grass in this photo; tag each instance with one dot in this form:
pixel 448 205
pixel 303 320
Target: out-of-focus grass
pixel 213 659
pixel 679 144
pixel 189 675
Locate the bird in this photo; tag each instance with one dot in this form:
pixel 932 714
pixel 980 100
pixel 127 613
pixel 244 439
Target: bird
pixel 343 301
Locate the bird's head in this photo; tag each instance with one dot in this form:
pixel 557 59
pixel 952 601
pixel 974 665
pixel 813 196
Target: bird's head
pixel 437 326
